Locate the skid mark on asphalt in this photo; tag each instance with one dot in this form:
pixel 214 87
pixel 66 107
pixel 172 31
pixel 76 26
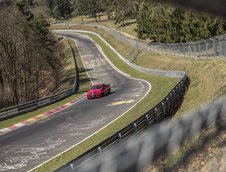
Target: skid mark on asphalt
pixel 25 153
pixel 100 68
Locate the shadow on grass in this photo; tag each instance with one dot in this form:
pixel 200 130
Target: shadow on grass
pixel 82 70
pixel 127 24
pixel 86 80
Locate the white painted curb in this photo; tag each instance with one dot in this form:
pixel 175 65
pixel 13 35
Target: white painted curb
pixel 115 118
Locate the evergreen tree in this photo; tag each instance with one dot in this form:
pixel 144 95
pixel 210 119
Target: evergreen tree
pixel 62 9
pixel 170 25
pixel 80 8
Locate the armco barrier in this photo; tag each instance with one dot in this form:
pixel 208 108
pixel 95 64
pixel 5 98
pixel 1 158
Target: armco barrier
pixel 164 138
pixel 166 108
pixel 174 74
pixel 36 104
pixel 146 147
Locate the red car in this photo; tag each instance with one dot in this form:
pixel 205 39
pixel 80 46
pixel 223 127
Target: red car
pixel 98 90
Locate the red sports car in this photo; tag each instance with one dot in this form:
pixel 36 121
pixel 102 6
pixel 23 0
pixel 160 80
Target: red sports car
pixel 98 90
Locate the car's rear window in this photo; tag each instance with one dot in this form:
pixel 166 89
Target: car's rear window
pixel 95 87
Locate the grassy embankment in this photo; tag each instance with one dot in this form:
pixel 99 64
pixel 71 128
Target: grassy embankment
pixel 208 77
pixel 208 81
pixel 160 88
pixel 67 74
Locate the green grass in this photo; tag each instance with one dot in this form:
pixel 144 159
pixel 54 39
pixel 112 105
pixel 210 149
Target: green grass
pixel 161 86
pixel 84 86
pixel 208 77
pixel 208 81
pixel 128 28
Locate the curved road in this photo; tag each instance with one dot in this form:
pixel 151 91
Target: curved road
pixel 30 146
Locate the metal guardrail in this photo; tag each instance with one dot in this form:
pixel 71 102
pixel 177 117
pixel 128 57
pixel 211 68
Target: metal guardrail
pixel 161 139
pixel 167 73
pixel 165 109
pixel 164 138
pixel 36 104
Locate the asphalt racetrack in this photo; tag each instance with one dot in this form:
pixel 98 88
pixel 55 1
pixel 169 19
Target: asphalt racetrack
pixel 30 146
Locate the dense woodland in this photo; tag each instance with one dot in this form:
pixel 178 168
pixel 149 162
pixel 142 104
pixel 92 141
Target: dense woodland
pixel 28 66
pixel 155 21
pixel 27 58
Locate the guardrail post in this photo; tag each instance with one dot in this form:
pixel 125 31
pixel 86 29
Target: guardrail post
pixel 146 120
pixel 135 127
pixel 156 115
pixel 99 150
pixel 173 101
pixel 72 166
pixel 119 137
pixel 163 110
pixel 170 104
pixel 167 106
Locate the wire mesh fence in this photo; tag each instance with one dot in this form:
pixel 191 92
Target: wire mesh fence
pixel 146 147
pixel 211 48
pixel 214 47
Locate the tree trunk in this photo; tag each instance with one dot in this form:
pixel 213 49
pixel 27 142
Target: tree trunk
pixel 82 19
pixel 1 80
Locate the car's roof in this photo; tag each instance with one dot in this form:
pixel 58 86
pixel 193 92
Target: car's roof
pixel 97 84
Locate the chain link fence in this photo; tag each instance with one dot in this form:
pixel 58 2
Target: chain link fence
pixel 211 48
pixel 146 147
pixel 214 47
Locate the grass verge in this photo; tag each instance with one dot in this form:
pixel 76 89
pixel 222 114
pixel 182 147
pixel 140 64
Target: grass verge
pixel 68 72
pixel 208 77
pixel 161 86
pixel 208 81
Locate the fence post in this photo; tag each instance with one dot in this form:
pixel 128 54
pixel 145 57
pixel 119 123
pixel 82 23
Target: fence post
pixel 224 47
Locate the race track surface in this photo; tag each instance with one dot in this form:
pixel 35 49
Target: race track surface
pixel 30 146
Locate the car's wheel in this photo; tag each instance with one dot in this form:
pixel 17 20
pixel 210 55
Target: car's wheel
pixel 109 91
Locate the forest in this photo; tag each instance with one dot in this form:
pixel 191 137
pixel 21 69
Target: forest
pixel 28 64
pixel 27 58
pixel 155 21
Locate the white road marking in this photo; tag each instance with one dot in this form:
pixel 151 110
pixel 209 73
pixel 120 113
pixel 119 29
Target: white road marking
pixel 122 73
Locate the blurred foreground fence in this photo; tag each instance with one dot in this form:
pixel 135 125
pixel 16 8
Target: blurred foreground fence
pixel 165 109
pixel 145 148
pixel 36 104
